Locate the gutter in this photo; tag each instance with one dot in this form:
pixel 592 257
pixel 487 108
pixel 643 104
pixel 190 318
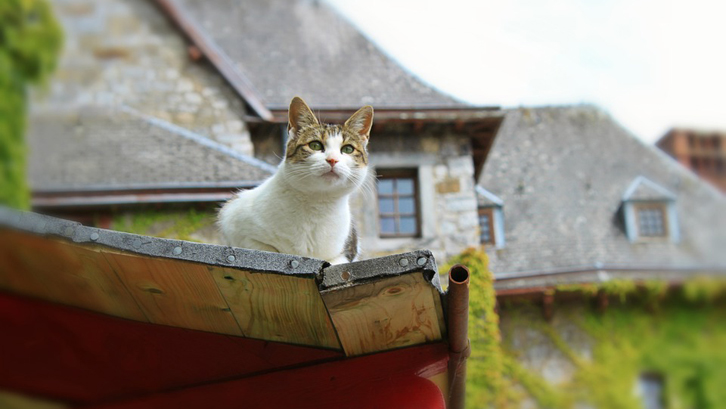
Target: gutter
pixel 526 283
pixel 457 313
pixel 97 196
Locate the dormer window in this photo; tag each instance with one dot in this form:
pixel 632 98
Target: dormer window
pixel 491 218
pixel 649 212
pixel 651 219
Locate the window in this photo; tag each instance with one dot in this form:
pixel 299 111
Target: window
pixel 491 218
pixel 398 211
pixel 486 225
pixel 649 212
pixel 650 387
pixel 651 220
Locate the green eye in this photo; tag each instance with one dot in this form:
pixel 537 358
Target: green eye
pixel 347 149
pixel 316 146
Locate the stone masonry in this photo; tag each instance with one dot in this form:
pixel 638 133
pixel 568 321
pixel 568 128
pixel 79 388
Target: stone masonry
pixel 125 52
pixel 447 200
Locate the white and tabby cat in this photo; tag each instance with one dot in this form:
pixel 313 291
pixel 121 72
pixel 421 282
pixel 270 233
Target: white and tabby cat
pixel 303 209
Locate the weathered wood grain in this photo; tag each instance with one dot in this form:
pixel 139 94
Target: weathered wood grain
pixel 173 292
pixel 277 307
pixel 384 314
pixel 63 272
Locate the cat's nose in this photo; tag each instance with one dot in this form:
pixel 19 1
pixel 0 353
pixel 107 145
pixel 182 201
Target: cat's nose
pixel 331 161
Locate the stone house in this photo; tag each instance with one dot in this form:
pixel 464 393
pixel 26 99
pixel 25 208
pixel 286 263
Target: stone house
pixel 226 73
pixel 219 75
pixel 579 193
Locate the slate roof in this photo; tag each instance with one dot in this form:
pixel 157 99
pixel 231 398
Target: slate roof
pixel 118 148
pixel 562 173
pixel 303 47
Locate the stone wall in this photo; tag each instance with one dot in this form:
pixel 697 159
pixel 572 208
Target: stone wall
pixel 126 52
pixel 447 200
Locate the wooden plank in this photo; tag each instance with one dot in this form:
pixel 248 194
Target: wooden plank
pixel 174 292
pixel 63 272
pixel 386 380
pixel 277 307
pixel 390 313
pixel 72 355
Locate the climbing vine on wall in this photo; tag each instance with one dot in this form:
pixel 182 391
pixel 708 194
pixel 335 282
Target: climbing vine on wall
pixel 678 333
pixel 30 40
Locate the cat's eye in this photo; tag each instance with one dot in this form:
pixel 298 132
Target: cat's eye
pixel 347 149
pixel 316 146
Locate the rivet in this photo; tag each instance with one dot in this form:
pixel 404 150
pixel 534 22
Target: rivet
pixel 295 264
pixel 231 258
pixel 421 261
pixel 345 275
pixel 403 262
pixel 137 243
pixel 94 236
pixel 68 231
pixel 177 250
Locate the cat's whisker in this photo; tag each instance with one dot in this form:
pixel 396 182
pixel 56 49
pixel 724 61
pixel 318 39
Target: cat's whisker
pixel 276 216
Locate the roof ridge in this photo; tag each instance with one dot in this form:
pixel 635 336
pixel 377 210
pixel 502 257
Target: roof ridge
pixel 202 140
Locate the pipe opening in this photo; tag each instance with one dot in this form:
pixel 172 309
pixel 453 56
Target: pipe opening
pixel 459 274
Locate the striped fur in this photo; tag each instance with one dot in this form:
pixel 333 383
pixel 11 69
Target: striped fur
pixel 303 209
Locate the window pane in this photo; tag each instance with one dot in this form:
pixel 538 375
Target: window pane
pixel 651 391
pixel 406 205
pixel 486 235
pixel 650 222
pixel 385 186
pixel 408 225
pixel 404 186
pixel 385 205
pixel 388 225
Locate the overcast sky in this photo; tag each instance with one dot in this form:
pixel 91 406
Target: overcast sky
pixel 651 64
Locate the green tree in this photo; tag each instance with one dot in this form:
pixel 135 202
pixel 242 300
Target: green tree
pixel 30 42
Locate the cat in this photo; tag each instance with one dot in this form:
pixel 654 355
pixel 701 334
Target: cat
pixel 303 208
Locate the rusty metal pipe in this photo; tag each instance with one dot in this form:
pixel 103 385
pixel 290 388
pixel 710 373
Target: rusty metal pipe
pixel 457 298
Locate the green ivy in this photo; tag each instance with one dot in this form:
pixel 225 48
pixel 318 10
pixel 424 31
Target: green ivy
pixel 30 41
pixel 648 327
pixel 168 224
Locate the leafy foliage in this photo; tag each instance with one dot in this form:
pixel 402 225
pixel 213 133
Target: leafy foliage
pixel 168 224
pixel 648 328
pixel 30 40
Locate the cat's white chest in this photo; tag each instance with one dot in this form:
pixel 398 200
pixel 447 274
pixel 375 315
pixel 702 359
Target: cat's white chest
pixel 273 218
pixel 320 235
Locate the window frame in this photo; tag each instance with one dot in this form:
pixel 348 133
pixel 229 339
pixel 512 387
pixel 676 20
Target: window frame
pixel 489 211
pixel 412 174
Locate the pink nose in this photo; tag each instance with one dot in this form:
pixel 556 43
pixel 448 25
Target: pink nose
pixel 331 161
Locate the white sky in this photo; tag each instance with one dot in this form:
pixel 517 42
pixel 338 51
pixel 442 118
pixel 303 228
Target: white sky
pixel 651 64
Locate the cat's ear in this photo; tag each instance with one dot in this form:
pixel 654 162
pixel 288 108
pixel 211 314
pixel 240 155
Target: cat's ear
pixel 300 115
pixel 361 122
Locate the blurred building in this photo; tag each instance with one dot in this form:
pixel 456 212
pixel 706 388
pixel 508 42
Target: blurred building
pixel 579 193
pixel 702 152
pixel 175 104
